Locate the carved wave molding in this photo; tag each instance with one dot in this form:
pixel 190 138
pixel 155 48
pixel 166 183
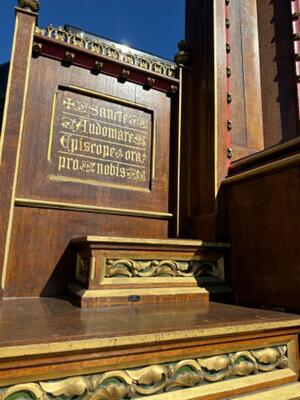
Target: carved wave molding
pixel 153 379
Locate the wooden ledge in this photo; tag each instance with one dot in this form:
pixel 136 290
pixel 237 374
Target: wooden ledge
pixel 268 155
pixel 49 325
pixel 46 339
pixel 148 242
pixel 286 392
pixel 264 169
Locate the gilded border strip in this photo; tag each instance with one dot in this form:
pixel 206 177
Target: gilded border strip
pixel 97 183
pixel 179 152
pixel 106 97
pixel 86 208
pixel 52 126
pixel 14 187
pixel 113 341
pixel 157 242
pixel 7 97
pixel 153 161
pixel 124 293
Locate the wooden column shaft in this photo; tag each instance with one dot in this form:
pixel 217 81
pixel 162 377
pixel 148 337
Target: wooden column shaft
pixel 12 126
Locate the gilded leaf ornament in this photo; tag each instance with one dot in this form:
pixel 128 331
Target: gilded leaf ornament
pixel 153 379
pixel 155 268
pixel 109 50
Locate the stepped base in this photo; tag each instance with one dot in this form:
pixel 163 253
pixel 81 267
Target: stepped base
pixel 116 271
pixel 52 349
pixel 99 297
pixel 286 392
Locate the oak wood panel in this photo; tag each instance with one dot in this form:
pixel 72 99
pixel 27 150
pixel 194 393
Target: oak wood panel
pixel 199 22
pixel 264 157
pixel 71 323
pixel 41 262
pixel 238 106
pixel 62 337
pixel 205 151
pixel 252 80
pixel 12 125
pixel 278 77
pixel 35 144
pixel 247 131
pixel 264 226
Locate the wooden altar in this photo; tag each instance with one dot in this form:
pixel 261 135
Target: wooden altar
pixel 119 242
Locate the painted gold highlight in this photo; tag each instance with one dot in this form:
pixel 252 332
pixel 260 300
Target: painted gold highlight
pixel 158 378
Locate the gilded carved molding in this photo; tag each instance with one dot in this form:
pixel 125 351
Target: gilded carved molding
pixel 163 268
pixel 109 50
pixel 154 379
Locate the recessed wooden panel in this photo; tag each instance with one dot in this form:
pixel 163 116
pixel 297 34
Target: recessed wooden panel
pixel 265 229
pixel 246 108
pixel 125 167
pixel 100 142
pixel 92 157
pixel 277 68
pixel 41 262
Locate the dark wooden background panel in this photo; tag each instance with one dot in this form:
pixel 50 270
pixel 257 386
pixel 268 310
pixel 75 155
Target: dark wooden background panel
pixel 239 131
pixel 246 108
pixel 40 261
pixel 264 224
pixel 205 152
pixel 278 77
pixel 35 144
pixel 202 92
pixel 252 79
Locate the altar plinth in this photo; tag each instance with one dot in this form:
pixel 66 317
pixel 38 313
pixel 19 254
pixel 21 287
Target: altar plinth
pixel 106 166
pixel 116 270
pixel 49 349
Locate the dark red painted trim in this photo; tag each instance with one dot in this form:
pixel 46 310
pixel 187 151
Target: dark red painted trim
pixel 85 59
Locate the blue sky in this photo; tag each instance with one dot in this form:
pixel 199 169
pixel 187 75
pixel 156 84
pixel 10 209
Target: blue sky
pixel 154 26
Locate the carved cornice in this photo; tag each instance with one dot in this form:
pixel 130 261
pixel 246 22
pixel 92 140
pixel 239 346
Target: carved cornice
pixel 31 5
pixel 158 378
pixel 156 268
pixel 110 50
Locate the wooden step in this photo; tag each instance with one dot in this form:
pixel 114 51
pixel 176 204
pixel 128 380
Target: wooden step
pixel 285 392
pixel 54 350
pixel 115 271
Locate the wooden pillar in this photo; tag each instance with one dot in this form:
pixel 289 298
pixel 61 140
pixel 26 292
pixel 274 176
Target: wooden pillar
pixel 278 73
pixel 204 151
pixel 225 110
pixel 13 120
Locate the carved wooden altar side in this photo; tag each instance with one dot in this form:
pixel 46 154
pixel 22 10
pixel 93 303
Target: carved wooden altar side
pixel 84 151
pixel 109 159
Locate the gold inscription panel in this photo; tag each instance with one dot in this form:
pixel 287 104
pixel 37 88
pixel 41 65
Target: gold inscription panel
pixel 100 142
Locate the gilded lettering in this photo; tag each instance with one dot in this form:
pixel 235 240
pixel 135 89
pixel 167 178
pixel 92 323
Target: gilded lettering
pixel 68 103
pixel 97 139
pixel 61 162
pixel 106 113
